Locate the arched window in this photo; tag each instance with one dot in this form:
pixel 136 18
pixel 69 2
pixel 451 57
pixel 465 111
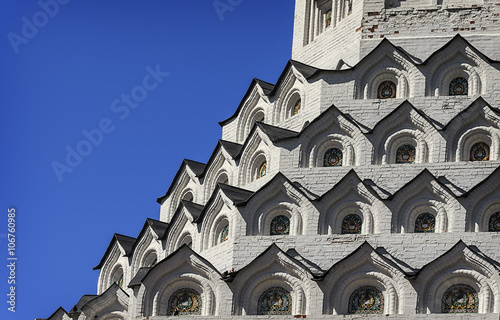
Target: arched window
pixel 494 223
pixel 120 281
pixel 296 107
pixel 262 170
pixel 328 18
pixel 351 224
pixel 184 302
pixel 153 263
pixel 332 158
pixel 150 260
pixel 480 152
pixel 459 298
pixel 366 300
pixel 275 301
pixel 224 235
pixel 425 223
pixel 118 277
pixel 188 196
pixel 280 225
pixel 386 90
pixel 405 154
pixel 223 179
pixel 459 87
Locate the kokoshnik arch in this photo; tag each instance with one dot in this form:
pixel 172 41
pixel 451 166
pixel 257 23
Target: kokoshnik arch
pixel 364 181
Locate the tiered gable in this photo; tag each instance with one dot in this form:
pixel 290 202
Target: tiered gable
pixel 364 182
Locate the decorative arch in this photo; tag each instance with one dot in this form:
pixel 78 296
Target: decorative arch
pixel 217 223
pixel 110 305
pixel 405 126
pixel 423 197
pixel 478 123
pixel 364 272
pixel 481 139
pixel 183 270
pixel 255 154
pixel 456 77
pixel 349 208
pixel 458 267
pixel 252 111
pixel 390 68
pixel 331 130
pixel 272 272
pixel 483 206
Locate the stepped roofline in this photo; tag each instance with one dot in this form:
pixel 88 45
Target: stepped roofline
pixel 125 242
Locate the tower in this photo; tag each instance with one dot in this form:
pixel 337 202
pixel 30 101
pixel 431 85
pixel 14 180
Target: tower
pixel 348 30
pixel 365 181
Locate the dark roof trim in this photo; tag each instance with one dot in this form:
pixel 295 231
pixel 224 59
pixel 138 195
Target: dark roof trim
pixel 351 174
pixel 170 256
pixel 125 242
pixel 272 132
pixel 484 181
pixel 479 100
pixel 235 194
pixel 402 105
pixel 229 277
pixel 158 227
pixel 270 89
pixel 53 314
pixel 279 175
pixel 231 148
pixel 457 37
pixel 196 167
pixel 266 87
pixel 459 243
pixel 114 286
pixel 422 173
pixel 364 244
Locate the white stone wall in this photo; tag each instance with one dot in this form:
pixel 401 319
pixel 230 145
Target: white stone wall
pixel 340 109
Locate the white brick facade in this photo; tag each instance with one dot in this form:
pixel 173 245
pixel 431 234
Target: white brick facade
pixel 215 242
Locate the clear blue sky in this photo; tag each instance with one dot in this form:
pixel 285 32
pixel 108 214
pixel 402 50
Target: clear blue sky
pixel 71 71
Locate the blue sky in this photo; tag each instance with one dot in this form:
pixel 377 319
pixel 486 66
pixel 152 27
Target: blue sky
pixel 91 78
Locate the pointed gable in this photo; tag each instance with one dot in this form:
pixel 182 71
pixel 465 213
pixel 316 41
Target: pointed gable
pixel 365 268
pixel 113 302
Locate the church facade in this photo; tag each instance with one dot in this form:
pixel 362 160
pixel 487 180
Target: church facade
pixel 364 182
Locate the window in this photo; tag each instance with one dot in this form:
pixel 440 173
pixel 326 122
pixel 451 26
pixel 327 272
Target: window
pixel 351 224
pixel 459 87
pixel 332 158
pixel 386 90
pixel 296 107
pixel 480 152
pixel 425 223
pixel 262 170
pixel 459 298
pixel 120 281
pixel 366 300
pixel 184 302
pixel 405 154
pixel 153 263
pixel 280 225
pixel 328 18
pixel 224 235
pixel 188 196
pixel 494 223
pixel 275 301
